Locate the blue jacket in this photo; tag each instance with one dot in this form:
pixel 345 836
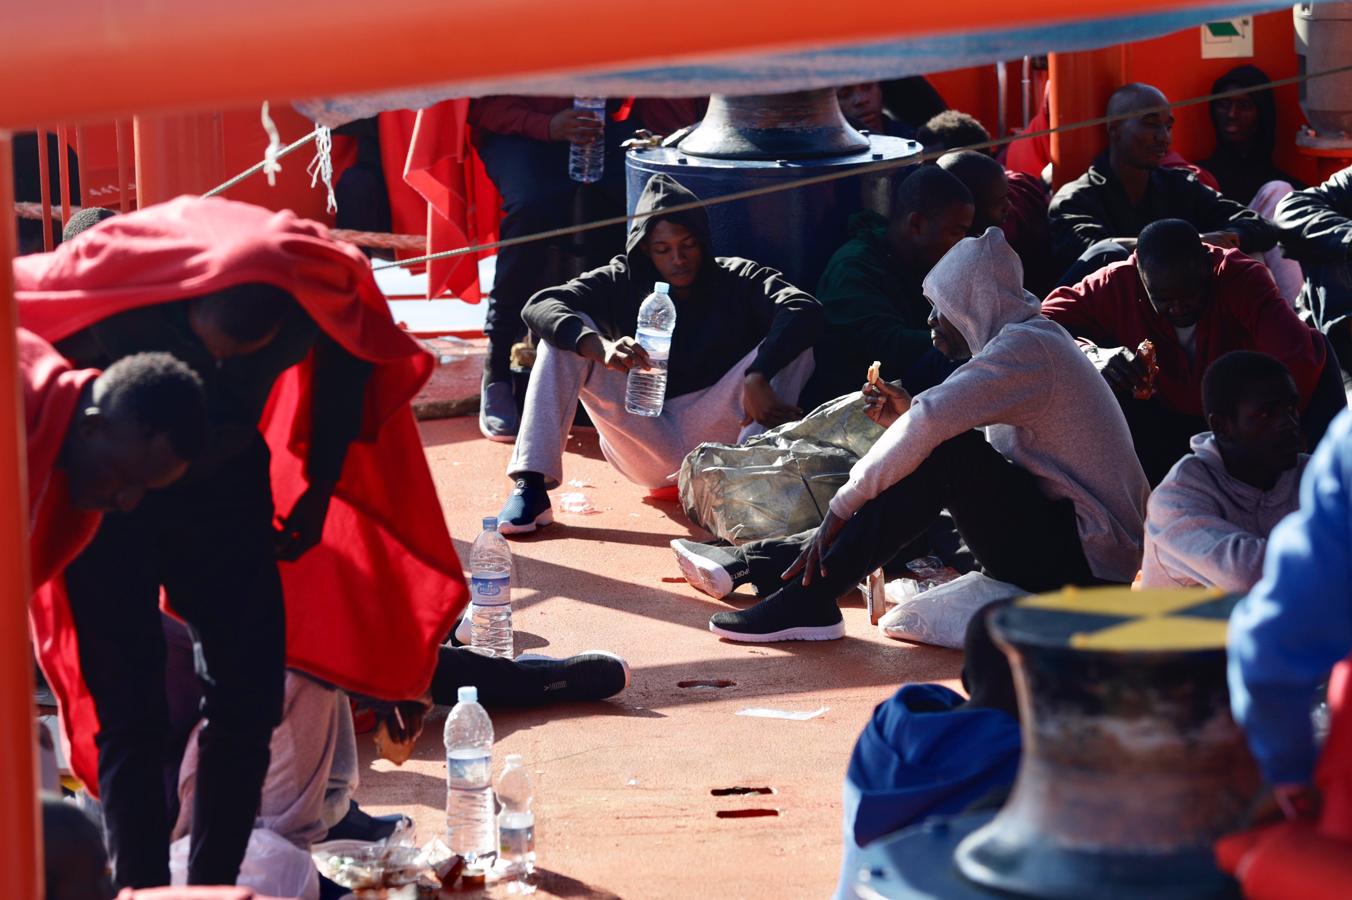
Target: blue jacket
pixel 1297 622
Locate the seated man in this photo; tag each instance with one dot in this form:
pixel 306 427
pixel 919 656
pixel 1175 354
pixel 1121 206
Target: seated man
pixel 1013 202
pixel 1316 228
pixel 1095 218
pixel 870 291
pixel 1050 495
pixel 927 751
pixel 739 355
pixel 1207 523
pixel 862 105
pixel 1194 302
pixel 1287 635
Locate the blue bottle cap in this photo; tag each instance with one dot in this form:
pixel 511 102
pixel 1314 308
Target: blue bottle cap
pixel 490 523
pixel 467 694
pixel 662 287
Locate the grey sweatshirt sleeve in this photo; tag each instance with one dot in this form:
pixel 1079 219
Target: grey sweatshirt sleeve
pixel 1193 542
pixel 1008 383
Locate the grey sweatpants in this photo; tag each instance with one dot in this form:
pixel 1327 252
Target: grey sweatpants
pixel 647 451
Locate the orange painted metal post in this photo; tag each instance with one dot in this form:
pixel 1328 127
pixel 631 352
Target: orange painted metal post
pixel 81 146
pixel 21 847
pixel 177 155
pixel 1080 84
pixel 120 137
pixel 45 190
pixel 63 167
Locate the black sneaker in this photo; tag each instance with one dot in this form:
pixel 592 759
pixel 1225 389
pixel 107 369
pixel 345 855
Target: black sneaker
pixel 594 675
pixel 780 618
pixel 714 570
pixel 526 509
pixel 498 419
pixel 359 825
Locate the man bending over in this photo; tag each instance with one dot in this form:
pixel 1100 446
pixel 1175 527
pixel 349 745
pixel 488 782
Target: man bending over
pixel 1051 494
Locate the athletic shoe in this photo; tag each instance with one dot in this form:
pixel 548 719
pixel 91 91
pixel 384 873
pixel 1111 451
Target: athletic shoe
pixel 780 618
pixel 526 509
pixel 594 675
pixel 358 825
pixel 713 570
pixel 498 420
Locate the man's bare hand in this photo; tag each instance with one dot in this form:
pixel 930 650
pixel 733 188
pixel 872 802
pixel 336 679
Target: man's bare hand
pixel 621 355
pixel 1227 239
pixel 761 404
pixel 575 126
pixel 1125 371
pixel 885 401
pixel 812 560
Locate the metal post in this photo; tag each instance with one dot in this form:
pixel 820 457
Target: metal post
pixel 45 189
pixel 21 848
pixel 1080 83
pixel 120 136
pixel 1027 85
pixel 63 168
pixel 1002 99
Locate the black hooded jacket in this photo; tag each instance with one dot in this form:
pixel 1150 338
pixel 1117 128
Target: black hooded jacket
pixel 1241 175
pixel 733 306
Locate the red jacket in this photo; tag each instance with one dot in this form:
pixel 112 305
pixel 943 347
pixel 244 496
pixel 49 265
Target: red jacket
pixel 51 395
pixel 1110 309
pixel 368 608
pixel 525 116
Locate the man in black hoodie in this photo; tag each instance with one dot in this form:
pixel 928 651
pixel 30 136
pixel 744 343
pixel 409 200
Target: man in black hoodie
pixel 1316 228
pixel 739 355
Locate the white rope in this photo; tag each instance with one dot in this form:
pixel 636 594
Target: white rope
pixel 321 167
pixel 270 164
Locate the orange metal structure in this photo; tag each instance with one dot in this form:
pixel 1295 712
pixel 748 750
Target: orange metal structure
pixel 149 58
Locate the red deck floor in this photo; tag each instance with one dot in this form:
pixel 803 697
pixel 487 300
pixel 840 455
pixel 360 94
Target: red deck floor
pixel 623 787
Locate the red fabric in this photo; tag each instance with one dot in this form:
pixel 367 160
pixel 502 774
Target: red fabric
pixel 1027 229
pixel 51 395
pixel 462 204
pixel 1312 861
pixel 368 607
pixel 667 115
pixel 1174 160
pixel 1110 308
pixel 525 116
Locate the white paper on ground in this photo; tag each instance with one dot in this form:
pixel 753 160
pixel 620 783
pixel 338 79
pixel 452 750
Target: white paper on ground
pixel 760 712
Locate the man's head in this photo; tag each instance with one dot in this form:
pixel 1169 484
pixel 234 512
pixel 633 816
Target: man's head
pixel 952 129
pixel 1245 123
pixel 674 251
pixel 986 675
pixel 1253 409
pixel 84 220
pixel 985 179
pixel 1175 269
pixel 931 211
pixel 862 105
pixel 138 427
pixel 1140 138
pixel 947 339
pixel 239 320
pixel 73 859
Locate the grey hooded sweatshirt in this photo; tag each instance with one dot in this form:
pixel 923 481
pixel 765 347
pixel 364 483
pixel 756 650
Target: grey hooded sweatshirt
pixel 1042 404
pixel 1205 527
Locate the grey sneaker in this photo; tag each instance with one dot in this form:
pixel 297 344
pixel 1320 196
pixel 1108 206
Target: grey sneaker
pixel 498 420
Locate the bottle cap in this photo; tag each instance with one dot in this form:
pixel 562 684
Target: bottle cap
pixel 662 287
pixel 490 523
pixel 467 694
pixel 515 759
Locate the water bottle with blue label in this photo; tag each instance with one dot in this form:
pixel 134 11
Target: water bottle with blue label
pixel 471 829
pixel 490 592
pixel 646 390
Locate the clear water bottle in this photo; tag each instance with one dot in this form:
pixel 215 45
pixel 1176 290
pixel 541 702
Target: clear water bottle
pixel 516 821
pixel 469 776
pixel 587 161
pixel 490 592
pixel 646 390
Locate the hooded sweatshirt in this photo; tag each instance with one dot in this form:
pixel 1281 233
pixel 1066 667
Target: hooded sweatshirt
pixel 1205 527
pixel 1241 175
pixel 733 305
pixel 1042 403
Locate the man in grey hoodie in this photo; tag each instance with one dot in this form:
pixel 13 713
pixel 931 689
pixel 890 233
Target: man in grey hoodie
pixel 1051 493
pixel 1208 521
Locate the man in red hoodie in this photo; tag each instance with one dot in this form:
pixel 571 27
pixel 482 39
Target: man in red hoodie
pixel 1194 302
pixel 308 382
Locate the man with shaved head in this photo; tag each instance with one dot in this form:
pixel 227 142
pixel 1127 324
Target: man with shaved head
pixel 1095 219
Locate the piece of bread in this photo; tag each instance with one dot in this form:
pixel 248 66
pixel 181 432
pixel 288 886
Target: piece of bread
pixel 874 371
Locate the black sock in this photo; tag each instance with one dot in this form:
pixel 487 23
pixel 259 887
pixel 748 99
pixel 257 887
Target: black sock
pixel 532 479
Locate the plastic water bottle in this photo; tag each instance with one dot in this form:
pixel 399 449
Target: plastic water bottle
pixel 469 776
pixel 516 822
pixel 490 592
pixel 646 389
pixel 587 161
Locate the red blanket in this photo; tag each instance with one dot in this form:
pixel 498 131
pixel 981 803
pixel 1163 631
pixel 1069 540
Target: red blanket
pixel 51 394
pixel 368 607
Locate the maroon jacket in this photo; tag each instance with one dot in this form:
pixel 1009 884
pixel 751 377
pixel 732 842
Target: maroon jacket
pixel 1028 232
pixel 525 116
pixel 1110 309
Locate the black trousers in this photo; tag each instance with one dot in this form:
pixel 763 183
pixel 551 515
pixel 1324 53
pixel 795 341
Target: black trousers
pixel 208 543
pixel 1015 531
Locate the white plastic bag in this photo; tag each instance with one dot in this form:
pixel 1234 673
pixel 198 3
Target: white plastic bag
pixel 940 615
pixel 272 866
